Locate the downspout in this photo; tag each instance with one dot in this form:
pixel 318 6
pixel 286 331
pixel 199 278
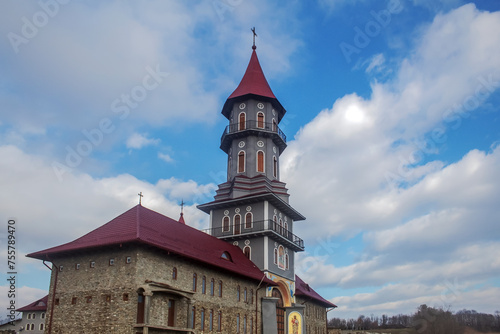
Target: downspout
pixel 257 304
pixel 53 292
pixel 328 310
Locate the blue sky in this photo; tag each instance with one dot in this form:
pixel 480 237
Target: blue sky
pixel 392 125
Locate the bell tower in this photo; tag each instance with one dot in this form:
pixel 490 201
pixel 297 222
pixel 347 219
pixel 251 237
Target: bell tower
pixel 251 208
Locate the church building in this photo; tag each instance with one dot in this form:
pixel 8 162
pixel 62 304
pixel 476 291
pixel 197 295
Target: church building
pixel 143 272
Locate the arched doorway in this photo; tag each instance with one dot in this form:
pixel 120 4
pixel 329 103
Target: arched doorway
pixel 280 311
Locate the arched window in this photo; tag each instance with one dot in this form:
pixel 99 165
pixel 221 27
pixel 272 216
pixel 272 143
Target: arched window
pixel 248 220
pixel 260 120
pixel 193 316
pixel 237 224
pixel 286 262
pixel 281 257
pixel 211 320
pixel 275 167
pixel 260 162
pixel 194 282
pixel 247 252
pixel 202 316
pixel 281 226
pixel 245 324
pixel 245 295
pixel 212 287
pixel 242 125
pixel 225 224
pixel 238 297
pixel 251 297
pixel 220 289
pixel 219 321
pixel 275 126
pixel 238 323
pixel 275 256
pixel 241 162
pixel 203 285
pixel 174 273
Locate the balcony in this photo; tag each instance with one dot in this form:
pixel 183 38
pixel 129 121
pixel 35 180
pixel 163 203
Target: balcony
pixel 237 130
pixel 258 228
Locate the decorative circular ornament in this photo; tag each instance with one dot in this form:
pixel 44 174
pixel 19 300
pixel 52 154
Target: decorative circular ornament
pixel 274 149
pixel 237 210
pixel 235 243
pixel 274 112
pixel 260 143
pixel 275 211
pixel 249 208
pixel 241 144
pixel 260 105
pixel 247 242
pixel 226 213
pixel 242 106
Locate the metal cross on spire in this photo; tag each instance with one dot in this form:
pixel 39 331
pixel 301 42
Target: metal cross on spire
pixel 254 35
pixel 182 206
pixel 140 197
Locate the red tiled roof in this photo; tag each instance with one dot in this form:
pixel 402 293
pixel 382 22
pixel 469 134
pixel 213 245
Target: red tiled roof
pixel 254 81
pixel 146 226
pixel 39 305
pixel 303 289
pixel 253 85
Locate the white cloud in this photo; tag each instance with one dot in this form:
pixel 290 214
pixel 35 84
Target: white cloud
pixel 357 169
pixel 81 202
pixel 375 63
pixel 165 157
pixel 138 141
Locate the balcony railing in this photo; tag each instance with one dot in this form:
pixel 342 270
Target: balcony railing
pixel 257 227
pixel 254 125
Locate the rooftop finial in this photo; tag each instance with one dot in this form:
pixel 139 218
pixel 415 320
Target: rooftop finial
pixel 140 197
pixel 182 207
pixel 254 35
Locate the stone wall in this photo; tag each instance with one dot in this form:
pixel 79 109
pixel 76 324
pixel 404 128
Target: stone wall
pixel 102 297
pixel 315 316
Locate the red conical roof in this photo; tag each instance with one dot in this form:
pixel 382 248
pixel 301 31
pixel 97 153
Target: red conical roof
pixel 254 81
pixel 253 85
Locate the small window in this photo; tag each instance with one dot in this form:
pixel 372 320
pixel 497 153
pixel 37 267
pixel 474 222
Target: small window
pixel 211 320
pixel 212 287
pixel 125 297
pixel 242 123
pixel 92 264
pixel 194 282
pixel 251 297
pixel 61 268
pixel 245 295
pixel 226 256
pixel 174 273
pixel 260 120
pixel 111 262
pixel 40 327
pixel 220 289
pixel 260 162
pixel 247 251
pixel 193 316
pixel 241 162
pixel 219 321
pixel 202 316
pixel 225 224
pixel 238 323
pixel 28 316
pixel 56 301
pixel 42 315
pixel 77 266
pixel 204 285
pixel 128 259
pixel 238 293
pixel 248 220
pixel 275 167
pixel 73 301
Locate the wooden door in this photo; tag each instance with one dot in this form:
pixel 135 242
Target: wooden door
pixel 280 312
pixel 140 308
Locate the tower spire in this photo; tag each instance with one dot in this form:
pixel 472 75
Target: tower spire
pixel 181 219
